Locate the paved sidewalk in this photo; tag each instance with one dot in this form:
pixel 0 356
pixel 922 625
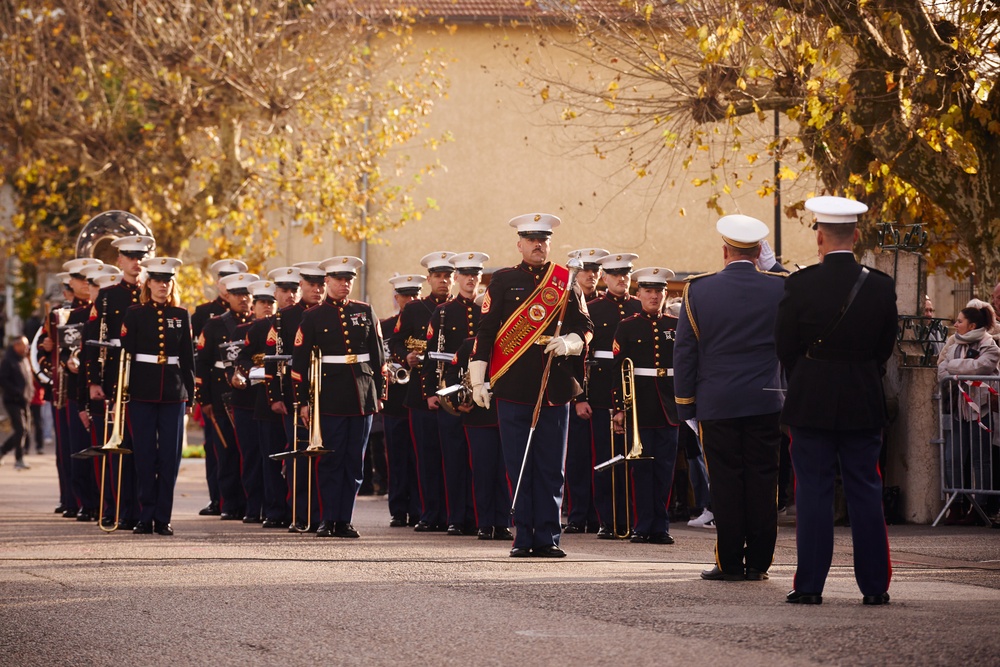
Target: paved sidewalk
pixel 224 593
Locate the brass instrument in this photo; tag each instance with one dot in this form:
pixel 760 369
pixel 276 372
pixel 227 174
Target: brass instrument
pixel 96 236
pixel 457 395
pixel 416 345
pixel 114 419
pixel 315 447
pixel 397 373
pixel 630 430
pixel 445 403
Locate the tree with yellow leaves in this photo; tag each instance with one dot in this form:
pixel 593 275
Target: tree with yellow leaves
pixel 212 120
pixel 893 102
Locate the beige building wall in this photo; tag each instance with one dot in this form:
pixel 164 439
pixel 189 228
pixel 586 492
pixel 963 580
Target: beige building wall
pixel 511 156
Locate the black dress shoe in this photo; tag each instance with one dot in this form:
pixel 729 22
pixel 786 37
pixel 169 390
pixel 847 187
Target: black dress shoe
pixel 454 530
pixel 211 509
pixel 231 516
pixel 397 522
pixel 502 533
pixel 485 534
pixel 754 574
pixel 573 528
pixel 70 514
pixel 661 538
pixel 520 552
pixel 107 521
pixel 252 519
pixel 275 523
pixel 86 515
pixel 143 528
pixel 876 599
pixel 299 527
pixel 423 527
pixel 715 574
pixel 126 525
pixel 344 529
pixel 550 551
pixel 795 597
pixel 639 538
pixel 325 529
pixel 60 509
pixel 163 529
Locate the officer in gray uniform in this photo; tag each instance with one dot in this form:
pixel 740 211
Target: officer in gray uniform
pixel 725 376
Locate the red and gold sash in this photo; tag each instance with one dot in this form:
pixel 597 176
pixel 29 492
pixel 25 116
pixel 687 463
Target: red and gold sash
pixel 527 323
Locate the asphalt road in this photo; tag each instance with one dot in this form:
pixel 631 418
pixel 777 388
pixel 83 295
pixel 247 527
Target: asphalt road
pixel 224 593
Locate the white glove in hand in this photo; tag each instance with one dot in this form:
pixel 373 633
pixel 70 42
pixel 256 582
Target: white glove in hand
pixel 477 377
pixel 766 260
pixel 565 346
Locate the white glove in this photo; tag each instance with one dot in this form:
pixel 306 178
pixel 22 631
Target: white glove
pixel 766 260
pixel 565 346
pixel 477 377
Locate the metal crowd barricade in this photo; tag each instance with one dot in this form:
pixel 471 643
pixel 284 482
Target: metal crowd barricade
pixel 967 436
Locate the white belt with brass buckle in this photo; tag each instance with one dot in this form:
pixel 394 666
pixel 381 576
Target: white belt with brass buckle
pixel 654 372
pixel 604 354
pixel 346 359
pixel 222 364
pixel 153 359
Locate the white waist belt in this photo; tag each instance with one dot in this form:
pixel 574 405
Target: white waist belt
pixel 604 354
pixel 221 364
pixel 346 359
pixel 654 372
pixel 153 359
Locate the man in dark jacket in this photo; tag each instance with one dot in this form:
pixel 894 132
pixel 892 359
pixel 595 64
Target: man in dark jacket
pixel 836 329
pixel 15 381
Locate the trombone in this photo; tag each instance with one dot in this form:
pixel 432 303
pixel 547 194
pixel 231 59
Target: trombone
pixel 114 424
pixel 315 447
pixel 630 430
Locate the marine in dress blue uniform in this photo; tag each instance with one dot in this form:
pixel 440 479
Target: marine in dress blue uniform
pixel 157 336
pixel 522 305
pixel 401 458
pixel 647 339
pixel 117 294
pixel 284 289
pixel 450 324
pixel 726 377
pixel 347 337
pixel 835 407
pixel 82 471
pixel 202 314
pixel 412 326
pixel 281 393
pixel 581 514
pixel 213 392
pixel 243 399
pixel 48 359
pixel 489 474
pixel 607 312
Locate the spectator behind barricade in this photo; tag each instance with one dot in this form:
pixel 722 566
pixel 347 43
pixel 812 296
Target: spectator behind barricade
pixel 970 351
pixel 994 329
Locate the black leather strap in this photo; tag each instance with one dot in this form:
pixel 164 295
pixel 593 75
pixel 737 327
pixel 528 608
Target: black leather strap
pixel 813 350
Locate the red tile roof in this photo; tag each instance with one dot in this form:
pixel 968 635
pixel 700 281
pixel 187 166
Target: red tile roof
pixel 486 11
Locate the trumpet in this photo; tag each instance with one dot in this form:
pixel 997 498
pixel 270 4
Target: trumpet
pixel 630 430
